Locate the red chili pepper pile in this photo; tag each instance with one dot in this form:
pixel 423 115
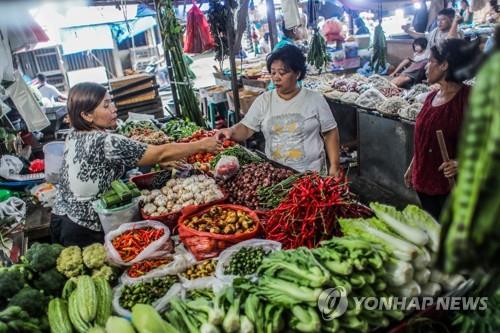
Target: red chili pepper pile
pixel 134 241
pixel 309 213
pixel 143 267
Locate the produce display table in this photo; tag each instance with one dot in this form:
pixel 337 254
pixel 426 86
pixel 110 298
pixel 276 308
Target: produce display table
pixel 347 121
pixel 386 150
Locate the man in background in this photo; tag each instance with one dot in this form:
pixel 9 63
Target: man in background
pixel 48 90
pixel 447 27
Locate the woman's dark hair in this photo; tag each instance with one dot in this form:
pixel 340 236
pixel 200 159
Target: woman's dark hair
pixel 292 57
pixel 422 42
pixel 465 2
pixel 459 54
pixel 84 97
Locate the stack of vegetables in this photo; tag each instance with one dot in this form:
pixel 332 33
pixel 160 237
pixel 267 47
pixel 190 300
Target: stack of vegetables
pixel 411 238
pixel 243 188
pixel 289 285
pixel 132 242
pixel 203 158
pixel 25 289
pixel 130 126
pixel 143 131
pixel 317 55
pixel 310 211
pixel 85 304
pixel 471 221
pixel 179 128
pixel 92 260
pixel 379 45
pixel 120 194
pixel 244 156
pixel 145 292
pixel 179 193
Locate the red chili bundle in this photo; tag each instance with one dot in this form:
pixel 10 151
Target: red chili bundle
pixel 309 213
pixel 143 267
pixel 134 241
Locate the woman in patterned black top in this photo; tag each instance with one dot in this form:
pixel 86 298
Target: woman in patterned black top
pixel 93 158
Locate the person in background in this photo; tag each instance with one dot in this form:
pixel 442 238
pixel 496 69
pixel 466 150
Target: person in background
pixel 465 12
pixel 447 27
pixel 264 44
pixel 298 125
pixel 443 110
pixel 412 70
pixel 94 157
pixel 361 28
pixel 48 90
pixel 289 36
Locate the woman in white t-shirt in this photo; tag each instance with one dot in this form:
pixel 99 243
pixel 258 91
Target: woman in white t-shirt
pixel 297 123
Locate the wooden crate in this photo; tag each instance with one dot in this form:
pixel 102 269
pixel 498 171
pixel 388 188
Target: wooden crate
pixel 155 108
pixel 149 83
pixel 247 97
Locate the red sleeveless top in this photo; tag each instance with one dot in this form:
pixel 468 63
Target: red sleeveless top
pixel 426 177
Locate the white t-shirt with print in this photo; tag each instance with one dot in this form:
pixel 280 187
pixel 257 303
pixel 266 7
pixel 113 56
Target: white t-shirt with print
pixel 293 129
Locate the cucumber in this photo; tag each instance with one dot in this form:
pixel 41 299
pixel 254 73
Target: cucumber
pixel 119 325
pixel 86 298
pixel 58 316
pixel 104 300
pixel 74 315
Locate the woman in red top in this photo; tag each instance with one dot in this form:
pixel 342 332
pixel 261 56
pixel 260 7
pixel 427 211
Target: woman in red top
pixel 442 110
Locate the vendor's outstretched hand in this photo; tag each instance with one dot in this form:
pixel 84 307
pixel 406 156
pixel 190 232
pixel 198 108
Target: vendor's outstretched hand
pixel 224 134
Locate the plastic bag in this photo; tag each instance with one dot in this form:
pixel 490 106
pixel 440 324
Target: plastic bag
pixel 198 37
pixel 13 208
pixel 227 167
pixel 182 259
pixel 154 249
pixel 206 245
pixel 191 284
pixel 112 218
pixel 10 165
pixel 226 255
pixel 159 304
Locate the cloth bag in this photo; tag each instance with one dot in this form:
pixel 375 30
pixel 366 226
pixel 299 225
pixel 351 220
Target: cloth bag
pixel 26 105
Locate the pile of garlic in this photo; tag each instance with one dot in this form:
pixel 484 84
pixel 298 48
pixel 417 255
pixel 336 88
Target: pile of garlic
pixel 179 193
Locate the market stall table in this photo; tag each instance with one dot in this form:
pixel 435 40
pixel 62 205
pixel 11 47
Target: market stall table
pixel 386 150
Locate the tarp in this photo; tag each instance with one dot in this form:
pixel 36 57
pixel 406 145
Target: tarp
pixel 144 10
pixel 96 37
pixel 137 26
